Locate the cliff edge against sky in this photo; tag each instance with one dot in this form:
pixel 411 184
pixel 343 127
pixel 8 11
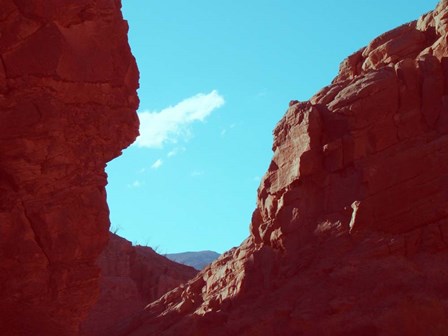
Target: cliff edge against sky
pixel 131 277
pixel 68 100
pixel 350 233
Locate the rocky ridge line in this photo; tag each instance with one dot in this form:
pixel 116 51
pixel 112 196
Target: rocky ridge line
pixel 131 277
pixel 350 233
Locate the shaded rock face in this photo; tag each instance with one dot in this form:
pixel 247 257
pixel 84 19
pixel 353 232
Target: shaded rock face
pixel 350 233
pixel 131 277
pixel 67 106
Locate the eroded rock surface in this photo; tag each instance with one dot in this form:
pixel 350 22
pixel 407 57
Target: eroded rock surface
pixel 350 233
pixel 131 277
pixel 67 106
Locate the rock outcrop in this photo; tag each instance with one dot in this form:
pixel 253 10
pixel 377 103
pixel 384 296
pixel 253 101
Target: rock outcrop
pixel 67 106
pixel 350 233
pixel 131 277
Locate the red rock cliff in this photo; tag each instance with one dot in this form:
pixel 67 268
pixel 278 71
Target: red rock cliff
pixel 350 233
pixel 131 277
pixel 67 106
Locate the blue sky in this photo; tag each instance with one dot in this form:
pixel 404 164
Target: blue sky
pixel 215 78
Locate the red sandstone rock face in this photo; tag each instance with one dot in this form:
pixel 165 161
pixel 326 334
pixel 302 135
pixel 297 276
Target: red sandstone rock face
pixel 350 233
pixel 131 277
pixel 67 106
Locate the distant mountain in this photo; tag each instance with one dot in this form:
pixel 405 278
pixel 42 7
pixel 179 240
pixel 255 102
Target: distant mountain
pixel 131 277
pixel 197 260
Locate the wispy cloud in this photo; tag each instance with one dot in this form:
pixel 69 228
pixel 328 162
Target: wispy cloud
pixel 157 164
pixel 225 130
pixel 197 173
pixel 135 184
pixel 175 151
pixel 173 123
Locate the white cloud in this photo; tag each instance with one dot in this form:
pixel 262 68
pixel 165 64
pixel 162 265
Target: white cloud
pixel 225 130
pixel 175 151
pixel 135 184
pixel 157 164
pixel 172 123
pixel 197 173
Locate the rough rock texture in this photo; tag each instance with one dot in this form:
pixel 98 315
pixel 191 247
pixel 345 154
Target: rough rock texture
pixel 67 106
pixel 350 233
pixel 131 277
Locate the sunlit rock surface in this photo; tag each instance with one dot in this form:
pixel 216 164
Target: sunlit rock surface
pixel 131 277
pixel 350 232
pixel 67 106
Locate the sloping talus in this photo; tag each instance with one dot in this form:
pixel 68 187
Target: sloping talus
pixel 131 277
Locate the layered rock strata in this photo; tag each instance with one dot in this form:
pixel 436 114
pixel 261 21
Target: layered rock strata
pixel 131 277
pixel 67 106
pixel 350 233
